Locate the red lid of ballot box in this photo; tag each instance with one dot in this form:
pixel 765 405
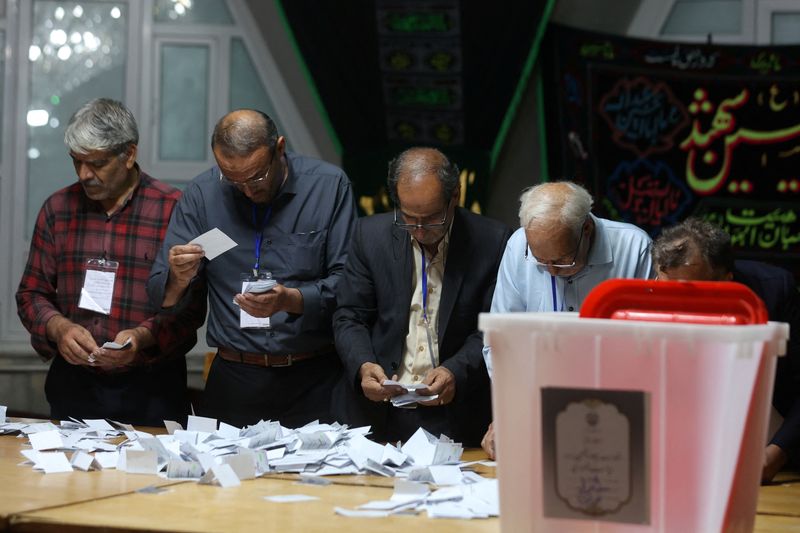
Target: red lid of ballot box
pixel 693 302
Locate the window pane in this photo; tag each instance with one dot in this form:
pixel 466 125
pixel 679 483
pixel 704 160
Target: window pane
pixel 77 52
pixel 183 112
pixel 246 88
pixel 785 28
pixel 701 17
pixel 192 12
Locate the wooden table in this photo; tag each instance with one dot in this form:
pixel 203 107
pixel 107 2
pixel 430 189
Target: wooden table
pixel 108 501
pixel 22 489
pixel 201 508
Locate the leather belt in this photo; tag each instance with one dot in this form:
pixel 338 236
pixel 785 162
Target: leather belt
pixel 268 359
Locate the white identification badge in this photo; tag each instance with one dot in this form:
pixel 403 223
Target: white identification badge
pixel 258 284
pixel 98 286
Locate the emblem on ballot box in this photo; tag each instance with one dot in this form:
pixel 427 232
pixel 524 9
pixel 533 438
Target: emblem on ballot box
pixel 593 454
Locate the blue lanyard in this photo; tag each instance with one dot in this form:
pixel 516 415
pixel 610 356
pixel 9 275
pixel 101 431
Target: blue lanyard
pixel 555 293
pixel 424 286
pixel 425 308
pixel 259 234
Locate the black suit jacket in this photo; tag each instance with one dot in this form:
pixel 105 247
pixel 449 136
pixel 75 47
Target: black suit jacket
pixel 374 300
pixel 777 288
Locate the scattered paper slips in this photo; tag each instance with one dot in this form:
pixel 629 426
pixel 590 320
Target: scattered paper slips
pixel 214 243
pixel 201 423
pixel 46 440
pixel 223 455
pixel 222 475
pixel 141 462
pixel 351 513
pixel 54 462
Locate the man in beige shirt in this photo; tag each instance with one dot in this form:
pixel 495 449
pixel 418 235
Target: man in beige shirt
pixel 415 281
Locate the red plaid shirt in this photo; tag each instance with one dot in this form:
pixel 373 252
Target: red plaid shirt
pixel 72 229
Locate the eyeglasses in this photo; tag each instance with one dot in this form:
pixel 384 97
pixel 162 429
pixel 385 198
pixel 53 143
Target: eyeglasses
pixel 532 259
pixel 250 183
pixel 424 226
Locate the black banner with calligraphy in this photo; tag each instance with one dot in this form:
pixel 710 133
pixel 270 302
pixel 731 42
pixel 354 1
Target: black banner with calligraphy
pixel 662 130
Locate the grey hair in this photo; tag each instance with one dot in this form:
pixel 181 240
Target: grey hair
pixel 243 131
pixel 675 244
pixel 101 124
pixel 418 161
pixel 562 202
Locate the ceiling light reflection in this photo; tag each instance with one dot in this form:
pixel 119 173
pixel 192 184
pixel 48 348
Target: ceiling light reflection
pixel 64 53
pixel 37 117
pixel 58 37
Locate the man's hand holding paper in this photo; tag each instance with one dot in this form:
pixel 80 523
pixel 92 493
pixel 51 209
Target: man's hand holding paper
pixel 129 342
pixel 265 304
pixel 442 383
pixel 376 385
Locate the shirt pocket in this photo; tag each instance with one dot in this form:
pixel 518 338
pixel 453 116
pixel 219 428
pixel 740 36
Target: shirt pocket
pixel 145 251
pixel 298 256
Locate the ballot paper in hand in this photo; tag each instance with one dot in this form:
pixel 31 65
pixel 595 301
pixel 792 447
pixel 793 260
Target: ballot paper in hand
pixel 214 243
pixel 259 286
pixel 411 396
pixel 111 345
pixel 407 386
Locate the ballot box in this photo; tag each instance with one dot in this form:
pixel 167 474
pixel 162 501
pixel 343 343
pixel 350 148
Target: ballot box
pixel 652 418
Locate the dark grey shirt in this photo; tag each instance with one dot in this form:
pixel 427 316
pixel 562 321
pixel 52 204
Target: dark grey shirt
pixel 304 245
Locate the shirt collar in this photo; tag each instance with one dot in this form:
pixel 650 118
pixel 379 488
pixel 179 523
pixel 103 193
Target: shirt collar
pixel 600 251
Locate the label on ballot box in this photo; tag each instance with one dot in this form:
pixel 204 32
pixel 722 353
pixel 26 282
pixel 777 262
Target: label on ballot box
pixel 593 447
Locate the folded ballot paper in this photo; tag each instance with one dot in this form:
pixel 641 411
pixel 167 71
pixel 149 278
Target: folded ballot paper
pixel 411 395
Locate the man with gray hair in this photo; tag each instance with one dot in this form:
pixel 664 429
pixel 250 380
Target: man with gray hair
pixel 697 250
pixel 271 297
pixel 414 283
pixel 84 283
pixel 561 252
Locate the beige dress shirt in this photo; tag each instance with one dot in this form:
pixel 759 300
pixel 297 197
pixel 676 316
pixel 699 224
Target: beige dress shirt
pixel 417 357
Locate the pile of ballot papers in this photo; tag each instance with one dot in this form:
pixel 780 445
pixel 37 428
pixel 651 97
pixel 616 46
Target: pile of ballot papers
pixel 220 454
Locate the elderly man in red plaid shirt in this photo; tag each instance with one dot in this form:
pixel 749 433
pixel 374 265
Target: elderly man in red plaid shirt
pixel 84 283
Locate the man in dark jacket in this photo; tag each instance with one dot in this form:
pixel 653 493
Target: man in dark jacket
pixel 415 281
pixel 695 250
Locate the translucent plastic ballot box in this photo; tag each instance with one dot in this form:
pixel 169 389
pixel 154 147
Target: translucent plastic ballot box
pixel 651 418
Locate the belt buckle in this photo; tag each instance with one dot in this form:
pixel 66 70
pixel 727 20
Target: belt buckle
pixel 275 365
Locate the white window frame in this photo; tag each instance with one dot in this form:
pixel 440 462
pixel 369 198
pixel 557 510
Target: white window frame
pixel 766 8
pixel 17 100
pixel 653 14
pixel 9 194
pixel 169 170
pixel 140 95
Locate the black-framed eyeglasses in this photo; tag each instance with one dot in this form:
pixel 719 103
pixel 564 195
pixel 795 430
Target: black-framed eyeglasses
pixel 532 259
pixel 249 183
pixel 426 226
